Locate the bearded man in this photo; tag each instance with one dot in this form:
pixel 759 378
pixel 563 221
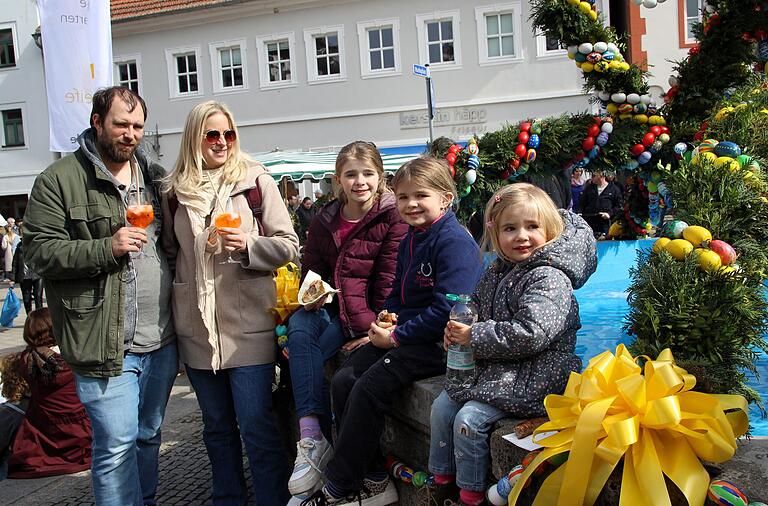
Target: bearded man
pixel 110 306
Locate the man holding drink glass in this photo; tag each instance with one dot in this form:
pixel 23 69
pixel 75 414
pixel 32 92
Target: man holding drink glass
pixel 109 284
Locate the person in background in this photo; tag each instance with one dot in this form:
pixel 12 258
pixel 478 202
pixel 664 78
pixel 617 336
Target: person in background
pixel 304 214
pixel 12 222
pixel 437 257
pixel 9 242
pixel 352 245
pixel 110 306
pixel 524 339
pixel 31 284
pixel 223 291
pixel 600 203
pixel 55 436
pixel 293 203
pixel 14 401
pixel 577 187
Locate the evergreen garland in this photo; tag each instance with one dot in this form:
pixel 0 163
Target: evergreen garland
pixel 721 61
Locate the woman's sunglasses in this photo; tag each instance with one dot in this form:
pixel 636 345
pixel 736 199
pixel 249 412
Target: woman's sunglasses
pixel 213 136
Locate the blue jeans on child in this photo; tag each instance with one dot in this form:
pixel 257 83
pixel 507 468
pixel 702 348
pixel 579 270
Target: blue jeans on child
pixel 237 403
pixel 126 413
pixel 313 338
pixel 459 440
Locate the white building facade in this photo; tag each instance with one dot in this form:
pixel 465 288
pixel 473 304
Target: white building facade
pixel 312 74
pixel 23 106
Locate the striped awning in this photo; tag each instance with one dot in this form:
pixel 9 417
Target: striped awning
pixel 315 165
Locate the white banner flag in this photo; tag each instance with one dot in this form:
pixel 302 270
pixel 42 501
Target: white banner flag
pixel 77 48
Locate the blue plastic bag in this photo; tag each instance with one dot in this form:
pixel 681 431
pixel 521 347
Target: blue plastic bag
pixel 11 309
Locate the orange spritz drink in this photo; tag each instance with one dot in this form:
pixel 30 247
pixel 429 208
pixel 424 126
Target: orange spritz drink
pixel 140 215
pixel 228 220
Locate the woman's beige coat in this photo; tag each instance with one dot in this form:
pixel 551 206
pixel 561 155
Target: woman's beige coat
pixel 245 291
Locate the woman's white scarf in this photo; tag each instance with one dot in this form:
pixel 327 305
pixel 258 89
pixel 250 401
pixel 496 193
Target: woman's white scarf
pixel 209 200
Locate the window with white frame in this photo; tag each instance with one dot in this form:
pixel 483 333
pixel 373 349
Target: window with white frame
pixel 8 47
pixel 549 47
pixel 229 71
pixel 379 47
pixel 438 38
pixel 184 79
pixel 325 54
pixel 693 13
pixel 276 60
pixel 127 71
pixel 13 128
pixel 498 33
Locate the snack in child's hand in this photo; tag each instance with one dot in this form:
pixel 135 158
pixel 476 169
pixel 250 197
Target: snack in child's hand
pixel 526 427
pixel 385 319
pixel 313 291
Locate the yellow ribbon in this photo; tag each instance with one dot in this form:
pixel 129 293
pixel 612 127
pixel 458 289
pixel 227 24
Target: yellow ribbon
pixel 287 280
pixel 650 417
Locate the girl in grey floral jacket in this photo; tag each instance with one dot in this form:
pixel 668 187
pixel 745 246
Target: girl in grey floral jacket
pixel 525 338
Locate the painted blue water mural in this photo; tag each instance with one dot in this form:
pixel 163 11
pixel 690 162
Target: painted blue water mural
pixel 603 305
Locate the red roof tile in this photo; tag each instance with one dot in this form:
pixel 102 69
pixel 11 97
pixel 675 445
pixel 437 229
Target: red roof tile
pixel 123 10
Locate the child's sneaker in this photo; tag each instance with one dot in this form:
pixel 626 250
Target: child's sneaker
pixel 311 457
pixel 374 493
pixel 440 495
pixel 322 498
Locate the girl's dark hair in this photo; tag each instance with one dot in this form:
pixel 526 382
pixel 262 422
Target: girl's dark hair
pixel 38 328
pixel 101 102
pixel 305 199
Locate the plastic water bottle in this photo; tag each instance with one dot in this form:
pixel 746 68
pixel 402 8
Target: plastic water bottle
pixel 461 359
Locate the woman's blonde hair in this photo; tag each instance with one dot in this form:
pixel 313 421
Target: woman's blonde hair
pixel 520 195
pixel 363 152
pixel 187 174
pixel 426 172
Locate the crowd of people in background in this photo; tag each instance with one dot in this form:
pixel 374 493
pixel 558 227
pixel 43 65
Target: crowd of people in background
pixel 192 285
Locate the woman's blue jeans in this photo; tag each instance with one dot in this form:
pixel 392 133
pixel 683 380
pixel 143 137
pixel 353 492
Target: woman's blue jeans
pixel 459 440
pixel 313 338
pixel 237 403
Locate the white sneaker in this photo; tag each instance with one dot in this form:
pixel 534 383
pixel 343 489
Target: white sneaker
pixel 311 458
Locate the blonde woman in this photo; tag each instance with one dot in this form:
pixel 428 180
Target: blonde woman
pixel 222 308
pixel 9 242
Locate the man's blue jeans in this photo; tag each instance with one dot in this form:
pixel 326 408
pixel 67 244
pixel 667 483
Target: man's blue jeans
pixel 313 338
pixel 126 413
pixel 459 440
pixel 237 403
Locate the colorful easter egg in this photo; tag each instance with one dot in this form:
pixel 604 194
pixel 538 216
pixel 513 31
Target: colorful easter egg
pixel 536 128
pixel 600 47
pixel 594 57
pixel 534 141
pixel 644 157
pixel 681 148
pixel 674 229
pixel 625 108
pixel 585 48
pixel 471 176
pixel 530 156
pixel 727 148
pixel 602 139
pixel 473 162
pixel 618 97
pixel 602 66
pixel 707 145
pixel 633 98
pixel 725 493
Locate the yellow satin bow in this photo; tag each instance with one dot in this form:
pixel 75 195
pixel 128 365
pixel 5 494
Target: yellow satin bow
pixel 287 280
pixel 614 409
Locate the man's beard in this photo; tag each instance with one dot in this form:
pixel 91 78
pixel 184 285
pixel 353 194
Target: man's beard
pixel 112 151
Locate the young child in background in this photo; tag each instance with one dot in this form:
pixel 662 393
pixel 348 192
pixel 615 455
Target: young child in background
pixel 352 245
pixel 55 436
pixel 525 337
pixel 437 257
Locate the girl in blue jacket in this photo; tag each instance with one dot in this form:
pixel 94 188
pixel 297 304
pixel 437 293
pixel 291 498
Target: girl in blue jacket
pixel 525 337
pixel 437 257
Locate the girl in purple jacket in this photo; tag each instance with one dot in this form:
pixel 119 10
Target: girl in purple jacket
pixel 437 257
pixel 352 245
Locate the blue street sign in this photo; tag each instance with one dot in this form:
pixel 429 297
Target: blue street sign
pixel 419 70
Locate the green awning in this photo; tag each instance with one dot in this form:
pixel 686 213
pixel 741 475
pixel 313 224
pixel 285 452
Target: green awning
pixel 297 166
